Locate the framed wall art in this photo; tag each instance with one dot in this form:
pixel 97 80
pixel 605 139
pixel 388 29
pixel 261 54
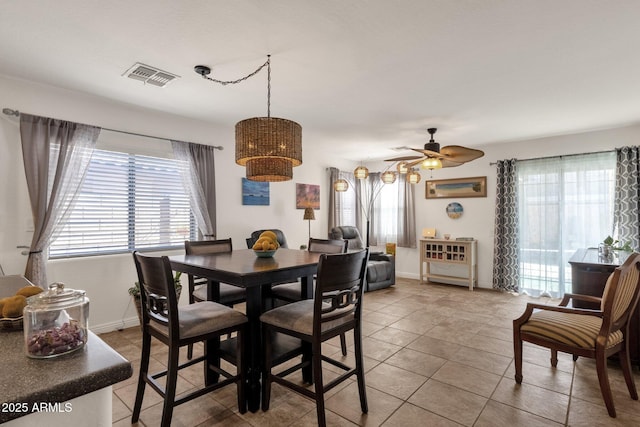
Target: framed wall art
pixel 460 187
pixel 255 193
pixel 307 196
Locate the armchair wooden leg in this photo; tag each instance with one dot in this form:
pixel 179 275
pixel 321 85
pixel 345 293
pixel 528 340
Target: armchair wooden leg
pixel 517 352
pixel 605 388
pixel 625 362
pixel 554 358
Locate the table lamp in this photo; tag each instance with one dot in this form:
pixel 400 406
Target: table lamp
pixel 309 215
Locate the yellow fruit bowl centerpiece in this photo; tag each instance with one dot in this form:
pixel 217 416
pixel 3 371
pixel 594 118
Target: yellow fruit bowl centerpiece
pixel 266 245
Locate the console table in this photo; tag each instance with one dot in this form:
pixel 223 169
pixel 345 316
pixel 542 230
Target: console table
pixel 456 252
pixel 589 274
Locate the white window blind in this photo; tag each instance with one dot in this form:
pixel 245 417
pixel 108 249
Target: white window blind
pixel 127 202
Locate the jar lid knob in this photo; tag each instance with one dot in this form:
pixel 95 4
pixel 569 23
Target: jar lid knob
pixel 56 287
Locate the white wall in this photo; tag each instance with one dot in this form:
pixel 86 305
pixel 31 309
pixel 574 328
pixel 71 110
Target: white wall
pixel 107 278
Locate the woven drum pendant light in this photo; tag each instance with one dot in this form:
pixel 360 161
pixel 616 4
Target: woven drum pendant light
pixel 269 147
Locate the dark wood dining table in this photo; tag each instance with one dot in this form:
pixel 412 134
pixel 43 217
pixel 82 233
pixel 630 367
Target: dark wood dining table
pixel 244 269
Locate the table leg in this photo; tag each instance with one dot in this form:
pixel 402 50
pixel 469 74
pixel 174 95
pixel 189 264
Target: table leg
pixel 254 347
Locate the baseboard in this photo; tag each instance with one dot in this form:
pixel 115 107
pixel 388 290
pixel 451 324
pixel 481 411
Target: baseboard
pixel 115 326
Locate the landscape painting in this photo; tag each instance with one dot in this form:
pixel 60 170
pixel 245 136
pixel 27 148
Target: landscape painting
pixel 307 196
pixel 255 193
pixel 461 187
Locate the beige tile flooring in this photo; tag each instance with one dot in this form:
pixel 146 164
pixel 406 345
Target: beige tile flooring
pixel 435 355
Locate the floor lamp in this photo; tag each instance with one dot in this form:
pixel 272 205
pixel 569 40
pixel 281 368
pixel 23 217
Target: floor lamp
pixel 309 215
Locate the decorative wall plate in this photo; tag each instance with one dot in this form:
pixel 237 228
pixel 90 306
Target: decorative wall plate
pixel 454 210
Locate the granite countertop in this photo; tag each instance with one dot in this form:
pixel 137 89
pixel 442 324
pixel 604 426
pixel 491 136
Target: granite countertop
pixel 26 380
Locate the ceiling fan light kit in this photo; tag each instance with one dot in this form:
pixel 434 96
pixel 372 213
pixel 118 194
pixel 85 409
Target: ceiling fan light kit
pixel 269 147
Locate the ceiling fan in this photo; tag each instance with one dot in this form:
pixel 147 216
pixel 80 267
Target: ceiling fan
pixel 449 156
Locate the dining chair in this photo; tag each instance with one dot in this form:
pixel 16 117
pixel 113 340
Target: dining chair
pixel 596 334
pixel 335 309
pixel 180 326
pixel 229 295
pixel 292 292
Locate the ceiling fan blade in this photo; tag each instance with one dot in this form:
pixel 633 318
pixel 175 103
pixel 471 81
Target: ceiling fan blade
pixel 429 153
pixel 398 159
pixel 460 154
pixel 448 163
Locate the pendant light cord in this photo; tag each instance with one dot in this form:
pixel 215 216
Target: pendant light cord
pixel 241 79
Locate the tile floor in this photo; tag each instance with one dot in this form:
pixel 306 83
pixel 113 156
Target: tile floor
pixel 435 355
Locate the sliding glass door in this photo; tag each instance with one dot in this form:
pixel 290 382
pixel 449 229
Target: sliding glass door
pixel 565 204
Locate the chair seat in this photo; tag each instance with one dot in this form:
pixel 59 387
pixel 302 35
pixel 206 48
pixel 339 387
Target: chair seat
pixel 566 328
pixel 227 293
pixel 202 318
pixel 298 317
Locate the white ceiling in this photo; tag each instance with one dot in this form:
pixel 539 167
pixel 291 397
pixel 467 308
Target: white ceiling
pixel 364 76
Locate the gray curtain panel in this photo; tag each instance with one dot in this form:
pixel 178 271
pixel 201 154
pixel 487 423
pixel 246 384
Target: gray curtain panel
pixel 334 212
pixel 56 156
pixel 506 275
pixel 627 196
pixel 406 214
pixel 199 179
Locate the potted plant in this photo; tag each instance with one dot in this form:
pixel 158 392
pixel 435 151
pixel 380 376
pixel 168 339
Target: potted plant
pixel 608 245
pixel 134 291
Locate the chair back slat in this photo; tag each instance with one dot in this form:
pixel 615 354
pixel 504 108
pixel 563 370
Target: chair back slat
pixel 339 286
pixel 328 246
pixel 207 247
pixel 621 291
pixel 157 290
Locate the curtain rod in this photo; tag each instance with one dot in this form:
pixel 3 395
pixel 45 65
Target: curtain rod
pixel 558 157
pixel 10 112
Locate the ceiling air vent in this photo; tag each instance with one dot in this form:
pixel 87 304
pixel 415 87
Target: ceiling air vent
pixel 150 75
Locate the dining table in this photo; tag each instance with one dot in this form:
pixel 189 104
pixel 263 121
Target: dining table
pixel 243 268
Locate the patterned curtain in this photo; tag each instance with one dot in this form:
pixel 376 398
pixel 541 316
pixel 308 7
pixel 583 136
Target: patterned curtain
pixel 627 196
pixel 505 253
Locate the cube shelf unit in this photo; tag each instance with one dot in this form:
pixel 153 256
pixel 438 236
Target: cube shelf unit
pixel 457 252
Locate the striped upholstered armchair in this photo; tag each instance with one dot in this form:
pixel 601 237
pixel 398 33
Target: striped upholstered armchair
pixel 597 334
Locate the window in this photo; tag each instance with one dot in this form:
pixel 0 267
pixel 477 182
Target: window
pixel 387 207
pixel 127 202
pixel 565 204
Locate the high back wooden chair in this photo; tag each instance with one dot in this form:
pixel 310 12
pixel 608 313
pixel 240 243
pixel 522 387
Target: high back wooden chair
pixel 292 292
pixel 177 327
pixel 228 295
pixel 335 309
pixel 597 334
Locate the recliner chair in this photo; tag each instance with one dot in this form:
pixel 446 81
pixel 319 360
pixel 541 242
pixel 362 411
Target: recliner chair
pixel 381 268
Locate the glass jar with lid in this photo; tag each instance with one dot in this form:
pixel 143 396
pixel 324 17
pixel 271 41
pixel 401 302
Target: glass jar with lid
pixel 55 322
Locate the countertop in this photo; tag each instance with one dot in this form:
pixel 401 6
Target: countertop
pixel 31 381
